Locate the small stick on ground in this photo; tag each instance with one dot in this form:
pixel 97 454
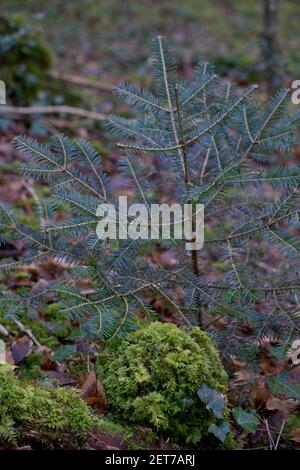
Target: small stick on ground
pixel 279 435
pixel 271 440
pixel 27 110
pixel 3 331
pixel 81 81
pixel 28 333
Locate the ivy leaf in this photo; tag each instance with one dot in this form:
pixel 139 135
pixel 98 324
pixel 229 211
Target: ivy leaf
pixel 2 93
pixel 186 403
pixel 248 421
pixel 281 385
pixel 64 351
pixel 2 352
pixel 213 400
pixel 219 431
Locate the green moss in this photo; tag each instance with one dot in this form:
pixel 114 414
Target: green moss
pixel 30 221
pixel 43 335
pixel 101 149
pixel 50 412
pixel 30 367
pixel 19 275
pixel 153 374
pixel 55 321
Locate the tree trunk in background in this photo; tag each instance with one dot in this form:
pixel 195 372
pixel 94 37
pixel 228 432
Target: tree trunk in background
pixel 270 46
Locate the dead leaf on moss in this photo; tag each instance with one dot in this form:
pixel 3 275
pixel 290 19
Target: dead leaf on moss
pixel 93 393
pixel 21 348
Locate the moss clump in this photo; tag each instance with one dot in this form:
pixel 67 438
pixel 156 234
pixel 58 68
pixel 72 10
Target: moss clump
pixel 153 375
pixel 24 59
pixel 50 413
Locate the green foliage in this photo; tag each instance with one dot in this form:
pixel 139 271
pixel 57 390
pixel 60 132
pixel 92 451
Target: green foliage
pixel 50 412
pixel 210 143
pixel 65 351
pixel 220 430
pixel 248 421
pixel 213 400
pixel 282 384
pixel 293 425
pixel 24 59
pixel 152 377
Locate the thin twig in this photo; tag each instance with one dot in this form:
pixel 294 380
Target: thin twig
pixel 271 440
pixel 28 333
pixel 3 331
pixel 187 180
pixel 26 110
pixel 90 83
pixel 279 435
pixel 182 141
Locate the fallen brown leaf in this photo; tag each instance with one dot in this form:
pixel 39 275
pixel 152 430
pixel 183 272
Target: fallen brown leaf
pixel 284 406
pixel 260 393
pixel 21 348
pixel 93 393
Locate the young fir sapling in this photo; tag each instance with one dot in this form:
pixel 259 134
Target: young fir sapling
pixel 207 142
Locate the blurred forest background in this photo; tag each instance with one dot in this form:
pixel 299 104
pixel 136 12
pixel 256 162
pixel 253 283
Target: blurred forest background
pixel 105 42
pixel 106 39
pixel 109 40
